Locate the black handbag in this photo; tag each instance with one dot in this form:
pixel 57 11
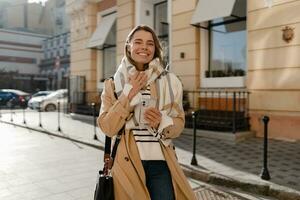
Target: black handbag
pixel 105 187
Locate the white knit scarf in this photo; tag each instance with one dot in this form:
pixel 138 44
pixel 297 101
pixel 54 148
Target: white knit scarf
pixel 165 91
pixel 126 68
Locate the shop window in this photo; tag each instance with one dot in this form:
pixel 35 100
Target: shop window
pixel 227 44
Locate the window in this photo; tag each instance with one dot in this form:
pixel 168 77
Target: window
pixel 161 27
pixel 227 44
pixel 109 62
pixel 109 53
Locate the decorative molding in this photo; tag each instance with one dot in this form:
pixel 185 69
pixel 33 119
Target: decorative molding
pixel 288 34
pixel 79 6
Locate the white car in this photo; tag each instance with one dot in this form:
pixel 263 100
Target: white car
pixel 50 102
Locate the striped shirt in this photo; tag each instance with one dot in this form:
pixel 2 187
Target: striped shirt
pixel 148 145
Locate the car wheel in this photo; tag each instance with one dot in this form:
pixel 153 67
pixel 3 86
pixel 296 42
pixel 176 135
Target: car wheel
pixel 50 107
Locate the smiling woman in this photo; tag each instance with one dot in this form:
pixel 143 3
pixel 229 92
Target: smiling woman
pixel 146 100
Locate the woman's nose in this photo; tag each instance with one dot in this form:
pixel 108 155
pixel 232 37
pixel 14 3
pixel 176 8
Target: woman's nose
pixel 144 46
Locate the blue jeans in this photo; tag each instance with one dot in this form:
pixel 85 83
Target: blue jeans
pixel 158 180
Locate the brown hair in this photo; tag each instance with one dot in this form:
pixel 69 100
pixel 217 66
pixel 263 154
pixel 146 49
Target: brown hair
pixel 158 49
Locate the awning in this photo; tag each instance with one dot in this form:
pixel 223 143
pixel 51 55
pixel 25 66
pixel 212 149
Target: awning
pixel 207 10
pixel 99 36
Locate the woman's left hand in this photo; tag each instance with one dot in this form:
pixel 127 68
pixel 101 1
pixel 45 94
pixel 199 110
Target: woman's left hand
pixel 153 117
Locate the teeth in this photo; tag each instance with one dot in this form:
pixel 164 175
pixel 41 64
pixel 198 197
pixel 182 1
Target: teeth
pixel 142 54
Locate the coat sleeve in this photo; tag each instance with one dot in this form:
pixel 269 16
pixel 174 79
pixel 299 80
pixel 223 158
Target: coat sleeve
pixel 113 112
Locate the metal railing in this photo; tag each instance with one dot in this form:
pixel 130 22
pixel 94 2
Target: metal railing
pixel 218 109
pixel 80 102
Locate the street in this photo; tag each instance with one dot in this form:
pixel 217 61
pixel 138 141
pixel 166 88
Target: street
pixel 38 166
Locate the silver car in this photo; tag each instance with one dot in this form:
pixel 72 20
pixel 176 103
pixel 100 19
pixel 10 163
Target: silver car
pixel 50 102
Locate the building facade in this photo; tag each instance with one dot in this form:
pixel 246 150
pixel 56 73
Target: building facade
pixel 25 25
pixel 55 64
pixel 20 55
pixel 233 44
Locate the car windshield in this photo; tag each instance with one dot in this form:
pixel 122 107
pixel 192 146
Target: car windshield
pixel 55 94
pixel 41 94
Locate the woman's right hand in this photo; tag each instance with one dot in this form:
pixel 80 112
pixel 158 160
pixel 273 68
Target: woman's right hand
pixel 138 81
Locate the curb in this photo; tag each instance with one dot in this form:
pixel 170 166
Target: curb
pixel 279 192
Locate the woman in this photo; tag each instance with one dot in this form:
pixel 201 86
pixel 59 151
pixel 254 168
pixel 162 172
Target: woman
pixel 147 99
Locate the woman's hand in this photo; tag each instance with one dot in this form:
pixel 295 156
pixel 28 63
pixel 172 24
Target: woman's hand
pixel 138 81
pixel 153 117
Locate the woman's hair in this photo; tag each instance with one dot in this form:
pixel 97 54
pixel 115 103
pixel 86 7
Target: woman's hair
pixel 158 49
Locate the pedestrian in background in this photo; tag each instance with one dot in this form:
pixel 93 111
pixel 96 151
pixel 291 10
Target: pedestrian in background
pixel 147 100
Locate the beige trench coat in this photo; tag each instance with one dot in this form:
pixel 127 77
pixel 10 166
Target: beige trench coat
pixel 128 173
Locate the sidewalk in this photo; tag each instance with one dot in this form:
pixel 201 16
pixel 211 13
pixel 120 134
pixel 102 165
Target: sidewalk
pixel 235 165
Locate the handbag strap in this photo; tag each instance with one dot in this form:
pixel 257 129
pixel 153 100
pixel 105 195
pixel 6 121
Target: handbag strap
pixel 108 155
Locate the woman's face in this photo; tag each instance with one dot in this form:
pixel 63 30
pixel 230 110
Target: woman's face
pixel 142 48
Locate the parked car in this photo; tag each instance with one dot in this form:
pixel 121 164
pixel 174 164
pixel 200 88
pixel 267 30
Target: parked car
pixel 12 98
pixel 37 97
pixel 50 102
pixel 41 93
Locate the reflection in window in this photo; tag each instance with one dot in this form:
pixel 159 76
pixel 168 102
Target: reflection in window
pixel 162 27
pixel 228 44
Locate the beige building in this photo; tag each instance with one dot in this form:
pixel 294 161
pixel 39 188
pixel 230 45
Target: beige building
pixel 210 44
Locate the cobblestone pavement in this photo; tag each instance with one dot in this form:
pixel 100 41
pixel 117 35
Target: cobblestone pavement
pixel 245 158
pixel 36 166
pixel 241 161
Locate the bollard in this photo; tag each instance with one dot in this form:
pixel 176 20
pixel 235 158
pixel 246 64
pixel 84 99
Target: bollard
pixel 265 172
pixel 40 115
pixel 58 116
pixel 94 120
pixel 0 110
pixel 11 113
pixel 194 160
pixel 24 121
pixel 234 113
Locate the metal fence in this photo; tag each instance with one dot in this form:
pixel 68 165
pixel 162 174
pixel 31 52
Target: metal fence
pixel 80 102
pixel 218 109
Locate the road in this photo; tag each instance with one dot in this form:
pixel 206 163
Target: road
pixel 37 166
